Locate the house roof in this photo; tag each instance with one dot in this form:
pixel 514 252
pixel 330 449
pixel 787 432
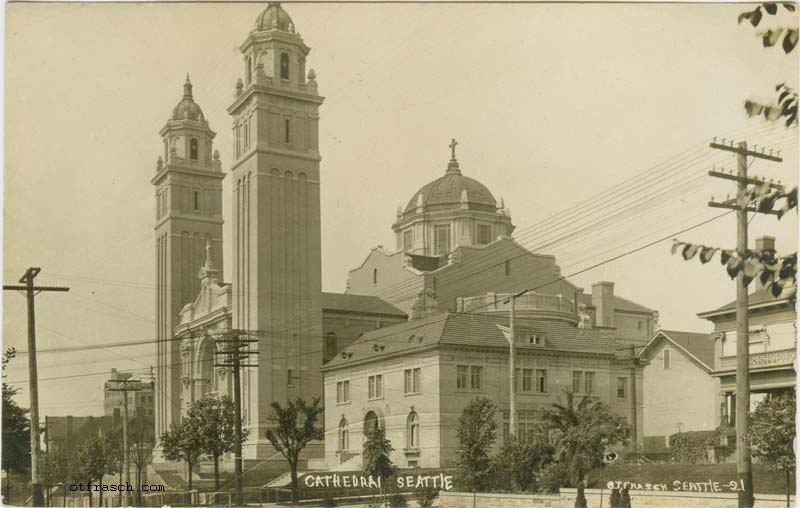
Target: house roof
pixel 475 330
pixel 363 304
pixel 621 304
pixel 700 346
pixel 757 297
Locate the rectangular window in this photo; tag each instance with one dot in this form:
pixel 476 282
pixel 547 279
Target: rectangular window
pixel 589 377
pixel 541 381
pixel 441 239
pixel 461 377
pixel 408 239
pixel 666 359
pixel 577 381
pixel 376 386
pixel 343 392
pixel 290 377
pixel 622 387
pixel 412 380
pixel 475 377
pixel 484 234
pixel 286 130
pixel 527 380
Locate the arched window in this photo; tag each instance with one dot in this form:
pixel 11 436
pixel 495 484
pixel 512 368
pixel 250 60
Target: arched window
pixel 370 423
pixel 196 201
pixel 344 436
pixel 374 275
pixel 193 149
pixel 284 65
pixel 412 430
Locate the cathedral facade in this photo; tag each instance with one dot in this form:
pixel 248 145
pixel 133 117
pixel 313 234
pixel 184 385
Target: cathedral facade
pixel 275 291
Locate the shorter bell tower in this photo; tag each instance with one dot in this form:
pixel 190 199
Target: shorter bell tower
pixel 188 192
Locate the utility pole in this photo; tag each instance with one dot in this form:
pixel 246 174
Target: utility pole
pixel 512 372
pixel 30 293
pixel 126 448
pixel 234 347
pixel 740 204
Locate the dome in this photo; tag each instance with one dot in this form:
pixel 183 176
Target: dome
pixel 274 18
pixel 448 191
pixel 187 108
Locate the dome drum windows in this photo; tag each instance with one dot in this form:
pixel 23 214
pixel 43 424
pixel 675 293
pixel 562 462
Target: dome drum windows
pixel 193 150
pixel 284 66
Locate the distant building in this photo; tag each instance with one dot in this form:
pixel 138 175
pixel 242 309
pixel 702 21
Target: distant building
pixel 680 394
pixel 414 379
pixel 772 340
pixel 141 402
pixel 68 432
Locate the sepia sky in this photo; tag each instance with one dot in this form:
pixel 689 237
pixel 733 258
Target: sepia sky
pixel 551 104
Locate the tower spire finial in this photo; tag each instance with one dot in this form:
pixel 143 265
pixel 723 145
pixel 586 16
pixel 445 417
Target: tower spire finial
pixel 187 87
pixel 452 166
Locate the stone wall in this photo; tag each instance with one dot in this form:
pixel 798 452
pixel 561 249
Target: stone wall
pixel 566 499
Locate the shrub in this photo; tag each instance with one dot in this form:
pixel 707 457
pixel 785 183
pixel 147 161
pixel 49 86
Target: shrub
pixel 553 477
pixel 398 501
pixel 692 447
pixel 425 496
pixel 329 502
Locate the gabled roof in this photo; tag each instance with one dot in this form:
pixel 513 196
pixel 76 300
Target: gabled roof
pixel 759 297
pixel 474 330
pixel 362 304
pixel 621 304
pixel 698 346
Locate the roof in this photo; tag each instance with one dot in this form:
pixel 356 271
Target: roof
pixel 698 345
pixel 274 18
pixel 757 297
pixel 363 304
pixel 187 108
pixel 448 190
pixel 621 304
pixel 474 330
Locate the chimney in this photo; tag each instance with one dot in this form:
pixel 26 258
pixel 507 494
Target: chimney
pixel 603 301
pixel 763 243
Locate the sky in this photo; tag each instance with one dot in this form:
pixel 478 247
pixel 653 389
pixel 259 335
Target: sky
pixel 551 104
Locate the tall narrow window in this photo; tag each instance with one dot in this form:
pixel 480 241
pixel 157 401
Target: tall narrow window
pixel 196 201
pixel 589 382
pixel 344 436
pixel 284 65
pixel 484 234
pixel 375 384
pixel 441 239
pixel 412 430
pixel 289 377
pixel 462 372
pixel 475 377
pixel 374 275
pixel 408 239
pixel 541 381
pixel 666 359
pixel 577 381
pixel 193 149
pixel 249 70
pixel 287 129
pixel 622 387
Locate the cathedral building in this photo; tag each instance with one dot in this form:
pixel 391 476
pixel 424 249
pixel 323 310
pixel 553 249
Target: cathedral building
pixel 454 266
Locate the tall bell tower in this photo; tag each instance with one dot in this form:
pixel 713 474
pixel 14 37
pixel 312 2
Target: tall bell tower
pixel 276 220
pixel 188 191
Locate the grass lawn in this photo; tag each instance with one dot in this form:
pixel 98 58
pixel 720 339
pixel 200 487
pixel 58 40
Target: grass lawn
pixel 766 481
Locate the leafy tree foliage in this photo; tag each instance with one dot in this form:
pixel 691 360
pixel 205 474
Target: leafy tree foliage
pixel 182 442
pixel 477 432
pixel 16 453
pixel 141 451
pixel 581 432
pixel 518 464
pixel 377 461
pixel 215 418
pixel 772 432
pixel 92 463
pixel 295 427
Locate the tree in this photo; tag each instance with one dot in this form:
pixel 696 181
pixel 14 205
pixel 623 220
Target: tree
pixel 518 464
pixel 114 454
pixel 376 458
pixel 58 466
pixel 581 432
pixel 216 419
pixel 92 463
pixel 16 453
pixel 141 453
pixel 772 432
pixel 295 427
pixel 182 442
pixel 477 432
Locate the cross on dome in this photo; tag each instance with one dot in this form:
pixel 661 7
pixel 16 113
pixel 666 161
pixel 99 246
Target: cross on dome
pixel 453 144
pixel 452 166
